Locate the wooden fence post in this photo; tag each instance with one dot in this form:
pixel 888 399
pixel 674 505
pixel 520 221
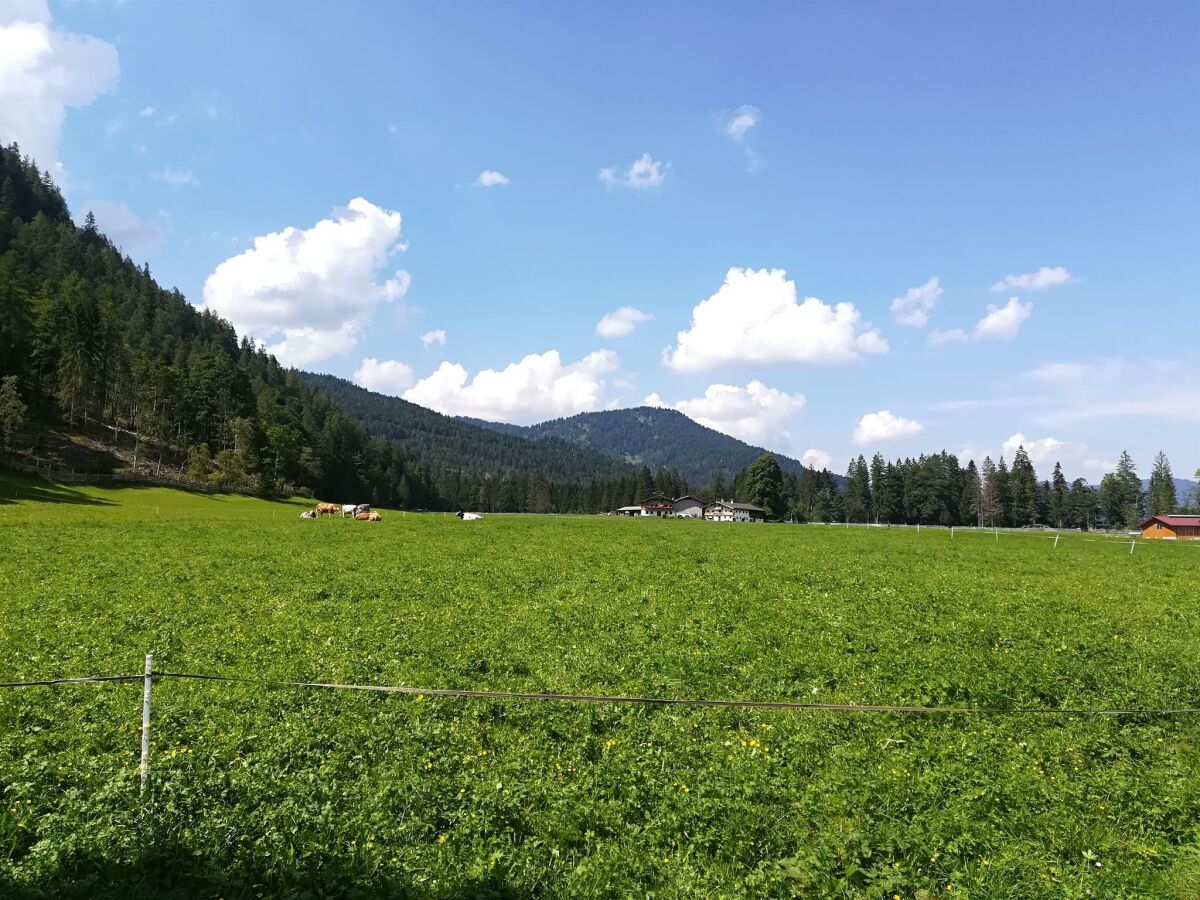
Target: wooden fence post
pixel 144 770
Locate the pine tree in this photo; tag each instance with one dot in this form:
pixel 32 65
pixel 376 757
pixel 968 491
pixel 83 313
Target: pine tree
pixel 1112 501
pixel 1045 499
pixel 1131 490
pixel 1081 505
pixel 921 501
pixel 990 506
pixel 1003 499
pixel 971 504
pixel 858 491
pixel 1160 496
pixel 878 473
pixel 1058 497
pixel 1022 490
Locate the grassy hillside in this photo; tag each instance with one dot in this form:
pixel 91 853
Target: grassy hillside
pixel 290 792
pixel 658 438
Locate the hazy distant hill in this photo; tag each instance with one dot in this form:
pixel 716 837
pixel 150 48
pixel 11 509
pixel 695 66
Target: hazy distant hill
pixel 1184 487
pixel 645 435
pixel 443 442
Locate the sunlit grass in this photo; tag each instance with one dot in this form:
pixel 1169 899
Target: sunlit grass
pixel 333 793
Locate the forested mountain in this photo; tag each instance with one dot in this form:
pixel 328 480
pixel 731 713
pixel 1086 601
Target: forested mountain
pixel 439 441
pixel 654 437
pixel 89 340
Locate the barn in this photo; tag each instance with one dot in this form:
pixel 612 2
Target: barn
pixel 1172 528
pixel 688 507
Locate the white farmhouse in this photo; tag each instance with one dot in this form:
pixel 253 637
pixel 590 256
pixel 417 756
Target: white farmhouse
pixel 728 511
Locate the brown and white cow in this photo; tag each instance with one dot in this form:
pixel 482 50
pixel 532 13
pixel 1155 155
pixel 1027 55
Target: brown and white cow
pixel 328 509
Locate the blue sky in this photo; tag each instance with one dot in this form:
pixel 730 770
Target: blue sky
pixel 676 160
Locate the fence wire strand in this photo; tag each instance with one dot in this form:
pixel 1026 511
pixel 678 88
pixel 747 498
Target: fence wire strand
pixel 465 693
pixel 90 679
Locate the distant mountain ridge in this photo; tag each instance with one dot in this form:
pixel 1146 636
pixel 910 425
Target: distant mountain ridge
pixel 442 442
pixel 650 436
pixel 580 447
pixel 1184 487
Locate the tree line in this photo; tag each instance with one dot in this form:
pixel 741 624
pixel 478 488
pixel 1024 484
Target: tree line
pixel 938 490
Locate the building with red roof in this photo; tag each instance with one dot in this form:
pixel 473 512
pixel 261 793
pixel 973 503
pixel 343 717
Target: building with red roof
pixel 1172 528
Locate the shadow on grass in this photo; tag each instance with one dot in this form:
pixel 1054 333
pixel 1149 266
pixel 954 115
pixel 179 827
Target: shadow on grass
pixel 18 487
pixel 38 490
pixel 174 874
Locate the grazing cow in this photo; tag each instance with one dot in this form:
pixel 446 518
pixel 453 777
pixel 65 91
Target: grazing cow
pixel 328 509
pixel 349 509
pixel 308 514
pixel 369 517
pixel 362 508
pixel 469 517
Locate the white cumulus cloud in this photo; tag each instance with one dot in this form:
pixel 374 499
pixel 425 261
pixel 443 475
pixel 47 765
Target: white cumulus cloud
pixel 885 426
pixel 755 317
pixel 621 322
pixel 487 178
pixel 640 175
pixel 384 376
pixel 742 120
pixel 737 126
pixel 1000 324
pixel 538 387
pixel 1003 322
pixel 305 345
pixel 1045 277
pixel 43 72
pixel 435 337
pixel 754 413
pixel 1045 450
pixel 125 228
pixel 312 289
pixel 916 304
pixel 817 459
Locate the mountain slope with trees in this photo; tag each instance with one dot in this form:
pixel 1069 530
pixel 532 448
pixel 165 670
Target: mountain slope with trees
pixel 447 442
pixel 89 341
pixel 654 437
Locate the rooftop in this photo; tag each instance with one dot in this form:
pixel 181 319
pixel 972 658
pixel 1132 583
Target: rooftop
pixel 1173 520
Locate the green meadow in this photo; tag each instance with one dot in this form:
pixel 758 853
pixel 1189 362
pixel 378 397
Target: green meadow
pixel 277 792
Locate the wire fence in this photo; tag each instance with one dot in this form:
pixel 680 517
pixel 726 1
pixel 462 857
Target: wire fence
pixel 475 694
pixel 150 675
